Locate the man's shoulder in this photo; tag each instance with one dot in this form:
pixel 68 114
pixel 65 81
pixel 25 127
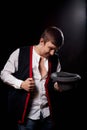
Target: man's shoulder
pixel 25 48
pixel 24 51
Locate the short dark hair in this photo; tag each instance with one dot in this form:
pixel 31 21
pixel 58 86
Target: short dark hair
pixel 53 34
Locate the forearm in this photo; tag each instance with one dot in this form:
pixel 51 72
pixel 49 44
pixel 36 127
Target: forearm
pixel 11 80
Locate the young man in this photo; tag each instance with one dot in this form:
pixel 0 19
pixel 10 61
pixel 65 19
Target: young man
pixel 28 71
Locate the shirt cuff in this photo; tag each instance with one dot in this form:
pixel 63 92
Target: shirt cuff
pixel 18 84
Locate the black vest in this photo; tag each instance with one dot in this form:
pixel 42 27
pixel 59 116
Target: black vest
pixel 18 100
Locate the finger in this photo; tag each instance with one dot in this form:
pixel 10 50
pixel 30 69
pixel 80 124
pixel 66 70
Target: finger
pixel 29 79
pixel 55 84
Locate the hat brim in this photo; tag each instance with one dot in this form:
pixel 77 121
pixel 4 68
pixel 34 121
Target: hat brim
pixel 66 80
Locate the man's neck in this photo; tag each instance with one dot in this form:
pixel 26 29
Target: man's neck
pixel 37 48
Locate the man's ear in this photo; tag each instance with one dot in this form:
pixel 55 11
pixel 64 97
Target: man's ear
pixel 41 41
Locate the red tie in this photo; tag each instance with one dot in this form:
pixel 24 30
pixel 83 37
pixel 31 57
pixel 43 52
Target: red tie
pixel 42 67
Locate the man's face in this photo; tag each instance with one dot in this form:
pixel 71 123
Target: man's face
pixel 48 49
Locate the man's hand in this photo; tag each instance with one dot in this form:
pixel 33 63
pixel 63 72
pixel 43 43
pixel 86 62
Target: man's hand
pixel 57 87
pixel 28 85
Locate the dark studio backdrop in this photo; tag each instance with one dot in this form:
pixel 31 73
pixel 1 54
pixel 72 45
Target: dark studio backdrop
pixel 25 23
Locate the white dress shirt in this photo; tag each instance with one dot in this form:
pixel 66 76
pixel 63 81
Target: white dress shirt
pixel 39 99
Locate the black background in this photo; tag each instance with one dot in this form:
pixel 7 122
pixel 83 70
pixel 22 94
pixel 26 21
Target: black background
pixel 22 23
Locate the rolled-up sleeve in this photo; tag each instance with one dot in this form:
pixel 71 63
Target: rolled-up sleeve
pixel 10 67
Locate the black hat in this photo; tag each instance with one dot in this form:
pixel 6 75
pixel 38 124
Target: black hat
pixel 65 80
